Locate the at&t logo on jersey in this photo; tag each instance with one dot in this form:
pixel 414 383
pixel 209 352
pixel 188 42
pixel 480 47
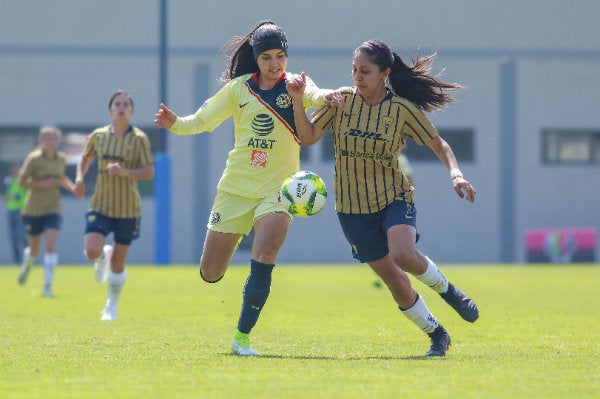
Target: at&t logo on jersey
pixel 263 124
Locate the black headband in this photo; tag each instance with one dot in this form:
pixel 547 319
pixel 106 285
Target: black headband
pixel 269 44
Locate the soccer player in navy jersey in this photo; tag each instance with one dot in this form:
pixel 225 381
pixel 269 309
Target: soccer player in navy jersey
pixel 124 156
pixel 265 152
pixel 374 198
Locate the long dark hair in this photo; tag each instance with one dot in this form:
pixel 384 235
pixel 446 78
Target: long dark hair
pixel 238 51
pixel 412 82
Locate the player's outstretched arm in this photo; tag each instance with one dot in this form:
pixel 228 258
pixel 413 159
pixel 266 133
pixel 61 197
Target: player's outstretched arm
pixel 308 133
pixel 444 152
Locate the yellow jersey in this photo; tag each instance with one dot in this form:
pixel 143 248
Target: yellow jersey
pixel 266 147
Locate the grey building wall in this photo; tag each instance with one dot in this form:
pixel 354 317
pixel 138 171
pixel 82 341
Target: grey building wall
pixel 61 60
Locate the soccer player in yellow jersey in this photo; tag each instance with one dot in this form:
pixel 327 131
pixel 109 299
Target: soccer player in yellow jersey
pixel 43 173
pixel 124 157
pixel 374 199
pixel 265 152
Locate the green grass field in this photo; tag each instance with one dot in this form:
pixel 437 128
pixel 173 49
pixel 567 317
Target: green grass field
pixel 326 332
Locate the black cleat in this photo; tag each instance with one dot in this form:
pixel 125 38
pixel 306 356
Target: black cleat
pixel 464 306
pixel 440 342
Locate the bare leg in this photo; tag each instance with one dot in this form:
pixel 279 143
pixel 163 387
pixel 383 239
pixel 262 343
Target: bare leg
pixel 217 253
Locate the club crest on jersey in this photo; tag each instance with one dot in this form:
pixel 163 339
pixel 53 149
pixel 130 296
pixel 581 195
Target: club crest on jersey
pixel 387 121
pixel 283 100
pixel 215 218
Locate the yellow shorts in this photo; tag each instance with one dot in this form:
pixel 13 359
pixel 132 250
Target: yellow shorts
pixel 232 213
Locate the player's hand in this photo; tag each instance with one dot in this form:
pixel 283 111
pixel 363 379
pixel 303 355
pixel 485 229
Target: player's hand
pixel 464 189
pixel 296 86
pixel 165 118
pixel 334 99
pixel 79 189
pixel 114 169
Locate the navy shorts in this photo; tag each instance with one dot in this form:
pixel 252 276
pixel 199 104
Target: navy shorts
pixel 35 225
pixel 367 233
pixel 125 230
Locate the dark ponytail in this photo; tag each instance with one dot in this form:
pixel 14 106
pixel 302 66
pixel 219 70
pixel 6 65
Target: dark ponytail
pixel 415 83
pixel 412 82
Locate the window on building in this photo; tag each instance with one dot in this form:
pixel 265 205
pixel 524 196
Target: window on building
pixel 462 142
pixel 571 146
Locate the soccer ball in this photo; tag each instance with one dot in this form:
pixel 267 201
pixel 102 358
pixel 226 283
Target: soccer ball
pixel 304 193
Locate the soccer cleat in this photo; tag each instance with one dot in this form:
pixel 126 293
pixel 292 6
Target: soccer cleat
pixel 25 266
pixel 440 342
pixel 464 306
pixel 240 345
pixel 48 293
pixel 109 313
pixel 102 265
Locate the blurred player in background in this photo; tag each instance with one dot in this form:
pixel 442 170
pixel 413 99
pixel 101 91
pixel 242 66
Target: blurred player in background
pixel 266 151
pixel 124 157
pixel 14 201
pixel 374 199
pixel 42 174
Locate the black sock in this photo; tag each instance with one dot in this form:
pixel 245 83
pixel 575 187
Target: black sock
pixel 256 292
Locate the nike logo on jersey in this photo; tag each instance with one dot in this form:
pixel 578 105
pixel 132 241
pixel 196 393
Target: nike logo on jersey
pixel 244 104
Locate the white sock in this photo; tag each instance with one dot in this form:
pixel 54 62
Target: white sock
pixel 421 316
pixel 115 286
pixel 433 278
pixel 27 258
pixel 50 262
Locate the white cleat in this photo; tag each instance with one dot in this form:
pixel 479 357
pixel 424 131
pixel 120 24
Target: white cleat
pixel 239 350
pixel 109 313
pixel 48 293
pixel 102 265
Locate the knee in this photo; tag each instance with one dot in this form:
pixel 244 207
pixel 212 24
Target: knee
pixel 92 253
pixel 210 278
pixel 406 259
